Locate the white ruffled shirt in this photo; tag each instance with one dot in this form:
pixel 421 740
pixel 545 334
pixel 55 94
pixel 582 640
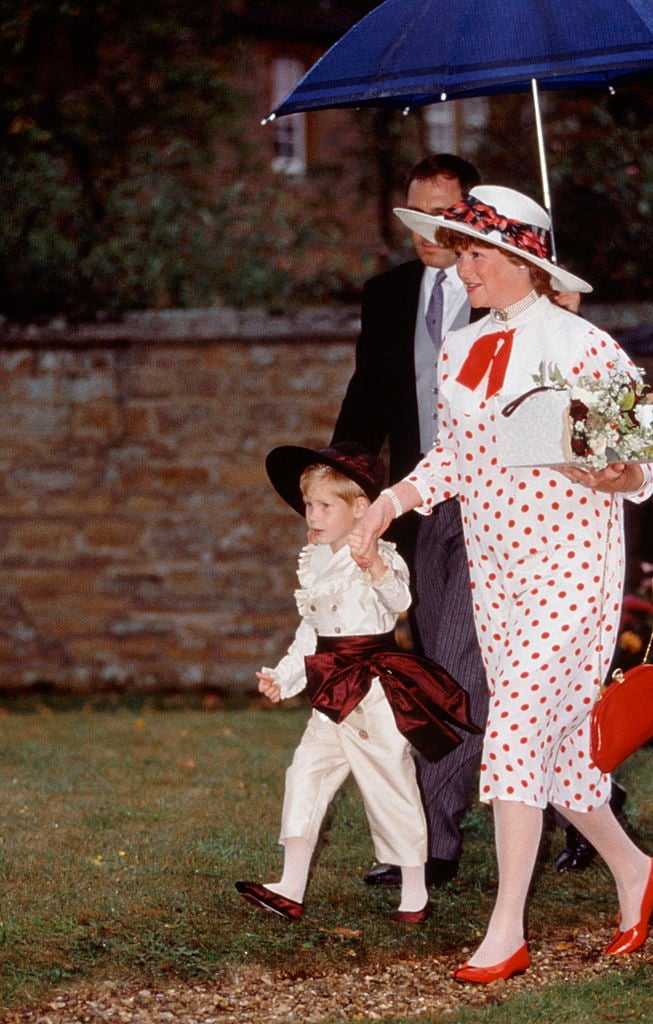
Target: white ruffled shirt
pixel 337 598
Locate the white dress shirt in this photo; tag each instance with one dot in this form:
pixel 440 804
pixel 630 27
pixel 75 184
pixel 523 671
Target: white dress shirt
pixel 455 314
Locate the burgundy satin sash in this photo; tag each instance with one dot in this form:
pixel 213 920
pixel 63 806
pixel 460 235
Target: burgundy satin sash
pixel 425 700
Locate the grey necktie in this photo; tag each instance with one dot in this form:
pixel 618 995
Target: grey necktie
pixel 434 311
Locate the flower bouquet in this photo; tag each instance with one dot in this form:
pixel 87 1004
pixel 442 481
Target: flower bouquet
pixel 590 421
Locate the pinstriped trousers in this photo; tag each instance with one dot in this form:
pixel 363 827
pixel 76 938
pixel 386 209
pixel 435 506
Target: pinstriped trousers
pixel 446 632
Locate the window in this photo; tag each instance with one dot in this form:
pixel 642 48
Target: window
pixel 289 132
pixel 456 126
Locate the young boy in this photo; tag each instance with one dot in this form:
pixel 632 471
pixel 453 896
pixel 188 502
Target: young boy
pixel 362 688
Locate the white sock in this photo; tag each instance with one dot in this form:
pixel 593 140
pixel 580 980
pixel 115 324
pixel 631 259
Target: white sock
pixel 414 895
pixel 297 854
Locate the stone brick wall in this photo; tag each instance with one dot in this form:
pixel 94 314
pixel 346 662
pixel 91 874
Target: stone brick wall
pixel 141 545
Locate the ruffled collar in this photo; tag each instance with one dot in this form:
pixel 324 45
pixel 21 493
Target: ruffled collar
pixel 322 572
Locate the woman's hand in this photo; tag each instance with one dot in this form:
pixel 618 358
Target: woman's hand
pixel 377 519
pixel 371 561
pixel 616 478
pixel 363 538
pixel 362 561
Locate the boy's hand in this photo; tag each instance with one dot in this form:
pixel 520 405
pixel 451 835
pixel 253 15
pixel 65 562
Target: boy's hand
pixel 367 531
pixel 268 687
pixel 371 561
pixel 364 561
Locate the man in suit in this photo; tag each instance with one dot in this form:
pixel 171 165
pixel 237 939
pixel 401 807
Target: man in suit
pixel 391 397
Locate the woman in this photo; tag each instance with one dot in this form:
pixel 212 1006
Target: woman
pixel 546 559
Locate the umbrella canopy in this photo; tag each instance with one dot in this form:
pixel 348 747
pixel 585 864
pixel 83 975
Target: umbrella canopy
pixel 409 53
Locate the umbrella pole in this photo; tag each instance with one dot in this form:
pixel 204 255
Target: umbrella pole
pixel 546 194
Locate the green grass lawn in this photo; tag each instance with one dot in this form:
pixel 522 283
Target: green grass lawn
pixel 124 829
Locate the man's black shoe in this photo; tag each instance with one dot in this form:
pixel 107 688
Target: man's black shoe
pixel 383 874
pixel 440 871
pixel 617 797
pixel 578 853
pixel 437 873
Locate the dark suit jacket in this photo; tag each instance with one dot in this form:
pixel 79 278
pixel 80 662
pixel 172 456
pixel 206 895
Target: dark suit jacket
pixel 381 400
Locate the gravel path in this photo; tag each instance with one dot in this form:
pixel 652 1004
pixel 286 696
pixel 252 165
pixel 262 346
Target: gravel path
pixel 405 988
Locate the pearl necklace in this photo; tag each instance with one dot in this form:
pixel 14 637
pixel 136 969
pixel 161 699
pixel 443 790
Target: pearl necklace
pixel 517 307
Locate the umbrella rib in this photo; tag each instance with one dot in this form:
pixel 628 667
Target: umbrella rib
pixel 429 74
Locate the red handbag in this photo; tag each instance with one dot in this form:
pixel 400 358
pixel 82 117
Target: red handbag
pixel 621 721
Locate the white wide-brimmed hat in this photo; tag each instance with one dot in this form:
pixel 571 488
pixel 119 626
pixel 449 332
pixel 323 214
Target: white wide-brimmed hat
pixel 505 218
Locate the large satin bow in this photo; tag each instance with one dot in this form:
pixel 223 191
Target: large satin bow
pixel 425 700
pixel 489 354
pixel 486 219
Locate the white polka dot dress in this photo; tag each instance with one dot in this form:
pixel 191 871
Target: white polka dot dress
pixel 546 563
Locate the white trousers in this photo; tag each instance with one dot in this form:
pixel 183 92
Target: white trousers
pixel 368 744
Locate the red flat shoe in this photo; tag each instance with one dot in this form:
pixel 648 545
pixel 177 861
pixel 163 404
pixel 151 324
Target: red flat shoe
pixel 412 916
pixel 633 938
pixel 264 898
pixel 515 964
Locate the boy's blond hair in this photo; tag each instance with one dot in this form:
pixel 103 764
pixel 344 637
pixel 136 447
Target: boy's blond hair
pixel 342 485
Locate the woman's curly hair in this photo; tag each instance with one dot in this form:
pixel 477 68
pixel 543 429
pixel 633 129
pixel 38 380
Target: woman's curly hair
pixel 449 239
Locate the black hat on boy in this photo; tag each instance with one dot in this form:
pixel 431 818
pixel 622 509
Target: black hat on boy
pixel 286 464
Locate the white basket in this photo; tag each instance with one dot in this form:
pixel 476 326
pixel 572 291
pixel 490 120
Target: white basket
pixel 537 431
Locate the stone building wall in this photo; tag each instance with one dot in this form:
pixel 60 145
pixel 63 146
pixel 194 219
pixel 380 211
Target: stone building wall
pixel 141 545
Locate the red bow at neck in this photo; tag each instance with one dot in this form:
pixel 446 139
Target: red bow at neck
pixel 490 354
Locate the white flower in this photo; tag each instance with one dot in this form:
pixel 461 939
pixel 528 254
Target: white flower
pixel 581 394
pixel 645 415
pixel 612 414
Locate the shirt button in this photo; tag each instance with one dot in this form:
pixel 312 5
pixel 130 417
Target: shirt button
pixel 363 735
pixel 312 608
pixel 334 607
pixel 358 709
pixel 337 630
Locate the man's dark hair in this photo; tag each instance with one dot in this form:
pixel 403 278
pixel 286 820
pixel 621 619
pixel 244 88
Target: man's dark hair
pixel 449 166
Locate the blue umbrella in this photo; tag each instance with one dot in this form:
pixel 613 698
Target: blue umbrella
pixel 407 53
pixel 410 53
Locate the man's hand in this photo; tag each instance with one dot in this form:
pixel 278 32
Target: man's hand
pixel 567 300
pixel 268 687
pixel 616 478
